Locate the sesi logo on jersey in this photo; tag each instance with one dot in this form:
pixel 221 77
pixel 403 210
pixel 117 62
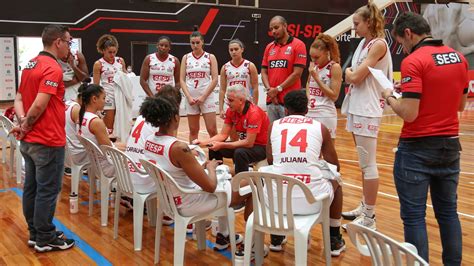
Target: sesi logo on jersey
pixel 446 59
pixel 279 63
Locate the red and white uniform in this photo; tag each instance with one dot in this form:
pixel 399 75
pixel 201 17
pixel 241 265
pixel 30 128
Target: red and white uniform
pixel 85 131
pixel 320 107
pixel 238 74
pixel 135 149
pixel 107 73
pixel 296 147
pixel 198 78
pixel 78 155
pixel 157 150
pixel 68 75
pixel 161 72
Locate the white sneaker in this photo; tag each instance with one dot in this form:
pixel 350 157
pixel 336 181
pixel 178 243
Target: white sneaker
pixel 351 215
pixel 363 220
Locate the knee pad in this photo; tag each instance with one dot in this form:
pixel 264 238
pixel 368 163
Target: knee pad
pixel 369 169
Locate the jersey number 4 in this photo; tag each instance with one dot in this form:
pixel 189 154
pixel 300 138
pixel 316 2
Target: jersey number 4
pixel 138 131
pixel 299 140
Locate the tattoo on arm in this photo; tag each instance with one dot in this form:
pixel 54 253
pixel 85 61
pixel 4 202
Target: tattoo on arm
pixel 186 150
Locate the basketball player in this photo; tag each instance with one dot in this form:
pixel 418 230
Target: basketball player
pixel 75 70
pixel 160 68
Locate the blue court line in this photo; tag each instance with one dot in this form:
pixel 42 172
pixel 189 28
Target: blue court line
pixel 81 244
pixel 85 178
pixel 87 202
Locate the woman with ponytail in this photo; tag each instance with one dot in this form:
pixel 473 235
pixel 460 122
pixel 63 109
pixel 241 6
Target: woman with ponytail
pixel 103 74
pixel 198 77
pixel 91 126
pixel 324 82
pixel 365 108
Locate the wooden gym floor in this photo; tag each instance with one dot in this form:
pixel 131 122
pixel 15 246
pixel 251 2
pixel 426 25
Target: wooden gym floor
pixel 97 246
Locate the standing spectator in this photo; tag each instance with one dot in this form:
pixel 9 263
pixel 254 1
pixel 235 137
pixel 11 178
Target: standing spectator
pixel 75 70
pixel 366 105
pixel 238 71
pixel 433 76
pixel 40 108
pixel 283 63
pixel 103 74
pixel 251 124
pixel 199 76
pixel 160 68
pixel 324 82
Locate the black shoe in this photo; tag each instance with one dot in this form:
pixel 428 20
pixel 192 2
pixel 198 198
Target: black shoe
pixel 338 245
pixel 57 244
pixel 32 241
pixel 277 242
pixel 223 242
pixel 239 254
pixel 67 171
pixel 239 208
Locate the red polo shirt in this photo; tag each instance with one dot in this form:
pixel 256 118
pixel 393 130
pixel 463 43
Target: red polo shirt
pixel 252 120
pixel 438 76
pixel 43 74
pixel 279 60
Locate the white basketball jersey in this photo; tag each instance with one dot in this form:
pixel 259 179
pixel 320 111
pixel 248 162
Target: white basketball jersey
pixel 107 73
pixel 238 74
pixel 71 127
pixel 320 105
pixel 198 73
pixel 366 97
pixel 135 149
pixel 161 72
pixel 85 130
pixel 157 150
pixel 296 146
pixel 68 71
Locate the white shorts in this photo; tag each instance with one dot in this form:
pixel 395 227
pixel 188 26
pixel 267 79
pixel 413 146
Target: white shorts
pixel 206 202
pixel 329 122
pixel 109 99
pixel 209 106
pixel 363 126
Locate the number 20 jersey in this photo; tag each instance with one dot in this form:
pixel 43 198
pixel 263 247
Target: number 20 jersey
pixel 296 147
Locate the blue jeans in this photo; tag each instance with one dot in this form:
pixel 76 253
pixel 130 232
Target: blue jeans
pixel 275 112
pixel 433 164
pixel 44 168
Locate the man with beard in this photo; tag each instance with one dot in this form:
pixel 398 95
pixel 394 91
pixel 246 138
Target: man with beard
pixel 283 62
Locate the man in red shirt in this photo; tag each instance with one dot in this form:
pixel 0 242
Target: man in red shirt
pixel 434 89
pixel 283 62
pixel 40 108
pixel 251 124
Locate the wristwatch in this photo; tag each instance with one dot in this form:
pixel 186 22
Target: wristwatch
pixel 279 88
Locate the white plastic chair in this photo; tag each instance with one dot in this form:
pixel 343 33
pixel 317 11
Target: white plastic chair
pixel 166 205
pixel 140 194
pixel 95 154
pixel 4 138
pixel 76 169
pixel 14 148
pixel 382 249
pixel 274 218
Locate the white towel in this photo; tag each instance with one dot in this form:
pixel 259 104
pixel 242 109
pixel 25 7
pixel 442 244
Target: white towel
pixel 123 103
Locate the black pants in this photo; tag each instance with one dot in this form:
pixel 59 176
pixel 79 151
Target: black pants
pixel 242 157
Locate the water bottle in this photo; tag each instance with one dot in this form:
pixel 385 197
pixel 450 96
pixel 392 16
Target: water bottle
pixel 112 198
pixel 73 203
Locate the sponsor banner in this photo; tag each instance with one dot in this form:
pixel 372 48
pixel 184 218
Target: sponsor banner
pixel 7 68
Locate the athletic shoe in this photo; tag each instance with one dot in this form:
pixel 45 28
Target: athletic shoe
pixel 167 220
pixel 67 171
pixel 351 215
pixel 239 208
pixel 32 241
pixel 363 220
pixel 239 254
pixel 277 242
pixel 56 245
pixel 223 242
pixel 338 245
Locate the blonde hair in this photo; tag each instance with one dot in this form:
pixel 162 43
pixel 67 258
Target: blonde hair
pixel 105 41
pixel 373 15
pixel 327 43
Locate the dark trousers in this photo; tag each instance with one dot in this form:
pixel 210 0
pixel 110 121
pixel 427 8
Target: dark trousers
pixel 430 165
pixel 44 167
pixel 242 157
